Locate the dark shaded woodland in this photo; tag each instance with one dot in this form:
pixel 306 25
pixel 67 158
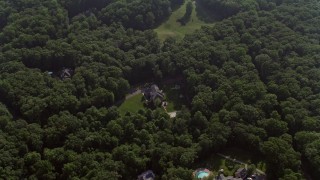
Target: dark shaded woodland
pixel 253 81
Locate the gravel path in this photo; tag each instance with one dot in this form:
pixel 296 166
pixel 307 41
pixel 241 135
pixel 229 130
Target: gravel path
pixel 136 92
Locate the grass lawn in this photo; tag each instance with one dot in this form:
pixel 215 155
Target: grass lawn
pixel 172 28
pixel 215 162
pixel 132 105
pixel 173 98
pixel 135 103
pixel 246 157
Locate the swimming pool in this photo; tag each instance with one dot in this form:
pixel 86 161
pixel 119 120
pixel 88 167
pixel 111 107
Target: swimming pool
pixel 202 174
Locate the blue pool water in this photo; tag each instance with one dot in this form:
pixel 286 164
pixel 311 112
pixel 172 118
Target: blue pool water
pixel 202 174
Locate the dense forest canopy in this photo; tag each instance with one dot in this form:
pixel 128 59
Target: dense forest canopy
pixel 252 82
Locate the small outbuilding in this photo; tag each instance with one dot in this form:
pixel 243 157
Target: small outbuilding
pixel 147 175
pixel 241 173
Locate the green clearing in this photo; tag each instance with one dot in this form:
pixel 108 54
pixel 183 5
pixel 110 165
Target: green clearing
pixel 228 167
pixel 246 157
pixel 173 98
pixel 216 162
pixel 132 105
pixel 172 28
pixel 135 103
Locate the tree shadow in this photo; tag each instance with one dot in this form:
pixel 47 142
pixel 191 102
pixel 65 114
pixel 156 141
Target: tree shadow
pixel 184 20
pixel 216 164
pixel 119 102
pixel 176 6
pixel 187 16
pixel 166 18
pixel 204 14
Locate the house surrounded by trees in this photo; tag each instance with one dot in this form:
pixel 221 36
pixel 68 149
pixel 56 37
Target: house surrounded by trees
pixel 148 175
pixel 153 94
pixel 66 73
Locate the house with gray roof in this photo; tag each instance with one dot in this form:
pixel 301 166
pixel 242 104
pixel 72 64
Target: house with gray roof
pixel 66 73
pixel 152 93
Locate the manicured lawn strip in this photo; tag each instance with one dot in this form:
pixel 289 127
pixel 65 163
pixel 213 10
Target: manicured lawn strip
pixel 172 28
